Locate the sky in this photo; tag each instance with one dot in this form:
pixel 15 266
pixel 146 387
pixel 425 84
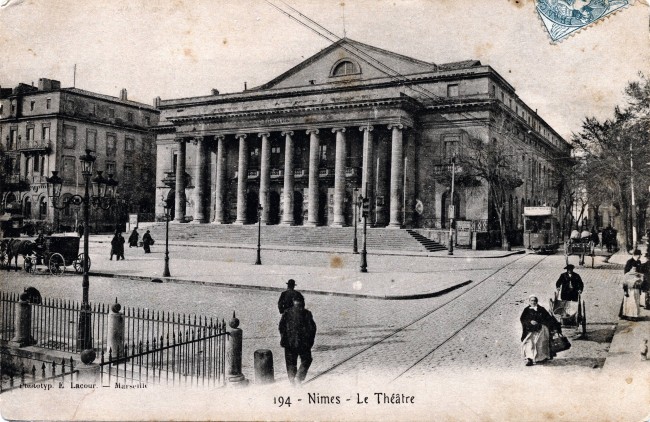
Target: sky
pixel 183 48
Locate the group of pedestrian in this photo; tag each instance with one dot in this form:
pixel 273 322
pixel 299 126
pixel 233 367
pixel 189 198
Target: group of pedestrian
pixel 297 333
pixel 539 326
pixel 609 238
pixel 117 243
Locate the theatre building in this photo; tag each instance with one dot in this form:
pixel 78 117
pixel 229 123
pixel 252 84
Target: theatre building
pixel 351 120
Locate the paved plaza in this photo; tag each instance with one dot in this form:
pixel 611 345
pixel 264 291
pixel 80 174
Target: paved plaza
pixel 461 335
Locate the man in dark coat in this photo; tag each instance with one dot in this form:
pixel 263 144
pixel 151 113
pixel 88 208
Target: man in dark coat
pixel 297 333
pixel 120 246
pixel 287 297
pixel 115 247
pixel 147 241
pixel 133 239
pixel 570 284
pixel 634 262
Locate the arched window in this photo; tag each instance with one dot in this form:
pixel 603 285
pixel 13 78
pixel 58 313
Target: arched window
pixel 345 67
pixel 42 208
pixel 27 209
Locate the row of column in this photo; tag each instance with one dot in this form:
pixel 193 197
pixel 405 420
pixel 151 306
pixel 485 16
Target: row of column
pixel 367 185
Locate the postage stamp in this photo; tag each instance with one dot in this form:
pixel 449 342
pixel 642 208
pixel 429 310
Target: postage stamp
pixel 564 17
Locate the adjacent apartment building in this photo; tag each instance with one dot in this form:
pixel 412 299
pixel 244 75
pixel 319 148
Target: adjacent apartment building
pixel 46 128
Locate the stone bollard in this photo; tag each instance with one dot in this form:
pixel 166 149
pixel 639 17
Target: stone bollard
pixel 23 324
pixel 115 336
pixel 233 355
pixel 263 359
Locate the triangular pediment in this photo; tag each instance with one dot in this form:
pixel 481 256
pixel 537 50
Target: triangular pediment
pixel 348 60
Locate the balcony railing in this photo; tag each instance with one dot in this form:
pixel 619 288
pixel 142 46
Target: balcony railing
pixel 298 173
pixel 35 145
pixel 351 171
pixel 325 172
pixel 253 174
pixel 275 173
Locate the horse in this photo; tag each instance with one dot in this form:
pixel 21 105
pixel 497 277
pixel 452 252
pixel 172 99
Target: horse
pixel 17 247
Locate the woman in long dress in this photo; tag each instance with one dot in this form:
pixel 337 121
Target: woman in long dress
pixel 537 325
pixel 631 294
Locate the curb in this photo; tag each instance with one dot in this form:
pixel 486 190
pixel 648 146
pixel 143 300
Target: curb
pixel 280 289
pixel 284 249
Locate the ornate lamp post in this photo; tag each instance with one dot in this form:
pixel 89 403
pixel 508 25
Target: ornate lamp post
pixel 167 205
pixel 452 209
pixel 355 205
pixel 103 196
pixel 365 209
pixel 258 261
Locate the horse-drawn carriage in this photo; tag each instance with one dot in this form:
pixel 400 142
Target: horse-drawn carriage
pixel 55 253
pixel 580 244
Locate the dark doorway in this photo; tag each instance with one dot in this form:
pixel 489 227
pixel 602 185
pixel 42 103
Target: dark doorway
pixel 298 217
pixel 274 207
pixel 251 206
pixel 322 208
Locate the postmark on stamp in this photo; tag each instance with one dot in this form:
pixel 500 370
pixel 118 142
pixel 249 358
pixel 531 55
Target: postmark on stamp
pixel 564 17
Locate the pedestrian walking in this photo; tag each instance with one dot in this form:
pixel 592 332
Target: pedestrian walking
pixel 630 308
pixel 120 246
pixel 569 284
pixel 115 246
pixel 634 262
pixel 288 296
pixel 644 268
pixel 147 241
pixel 594 236
pixel 133 238
pixel 80 230
pixel 297 333
pixel 537 325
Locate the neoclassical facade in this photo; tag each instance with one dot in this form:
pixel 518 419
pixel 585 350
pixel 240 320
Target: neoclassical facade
pixel 351 120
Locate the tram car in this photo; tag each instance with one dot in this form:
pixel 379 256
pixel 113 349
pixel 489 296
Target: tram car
pixel 541 229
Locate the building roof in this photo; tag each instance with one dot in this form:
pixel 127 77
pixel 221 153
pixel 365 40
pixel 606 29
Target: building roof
pixel 110 98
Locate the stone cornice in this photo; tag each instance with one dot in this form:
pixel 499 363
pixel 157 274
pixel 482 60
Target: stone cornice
pixel 400 102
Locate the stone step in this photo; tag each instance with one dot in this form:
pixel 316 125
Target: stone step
pixel 429 244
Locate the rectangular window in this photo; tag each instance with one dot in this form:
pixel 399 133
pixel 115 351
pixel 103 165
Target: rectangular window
pixel 450 148
pixel 452 90
pixel 48 103
pixel 31 105
pixel 129 144
pixel 110 167
pixel 69 170
pixel 174 161
pixel 129 117
pixel 91 139
pixel 46 133
pixel 69 136
pixel 30 133
pixel 93 109
pixel 37 161
pixel 111 143
pixel 128 172
pixel 147 120
pixel 276 156
pixel 323 153
pixel 254 157
pixel 111 112
pixel 13 140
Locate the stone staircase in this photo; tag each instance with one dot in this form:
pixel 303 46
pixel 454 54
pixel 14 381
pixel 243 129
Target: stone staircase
pixel 429 245
pixel 296 236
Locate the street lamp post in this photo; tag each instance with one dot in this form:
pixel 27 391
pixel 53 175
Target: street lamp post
pixel 258 261
pixel 452 209
pixel 103 196
pixel 355 204
pixel 365 203
pixel 168 210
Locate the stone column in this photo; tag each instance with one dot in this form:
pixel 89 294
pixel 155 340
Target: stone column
pixel 314 147
pixel 220 182
pixel 242 178
pixel 339 178
pixel 287 214
pixel 23 323
pixel 367 179
pixel 396 176
pixel 199 185
pixel 179 205
pixel 265 176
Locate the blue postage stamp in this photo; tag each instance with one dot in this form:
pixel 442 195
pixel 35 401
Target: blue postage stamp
pixel 563 17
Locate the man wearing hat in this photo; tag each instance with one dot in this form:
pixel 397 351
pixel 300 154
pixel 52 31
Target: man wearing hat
pixel 570 284
pixel 634 262
pixel 288 296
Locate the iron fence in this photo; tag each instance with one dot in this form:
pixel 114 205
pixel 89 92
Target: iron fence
pixel 192 358
pixel 7 313
pixel 15 372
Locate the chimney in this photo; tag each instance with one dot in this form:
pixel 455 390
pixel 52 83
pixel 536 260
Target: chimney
pixel 245 86
pixel 123 95
pixel 156 102
pixel 215 91
pixel 45 84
